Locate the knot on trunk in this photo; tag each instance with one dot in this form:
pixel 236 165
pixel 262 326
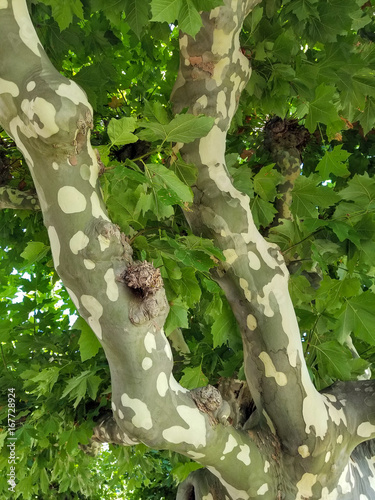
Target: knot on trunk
pixel 144 278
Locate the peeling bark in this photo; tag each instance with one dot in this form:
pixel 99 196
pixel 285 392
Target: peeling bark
pixel 298 444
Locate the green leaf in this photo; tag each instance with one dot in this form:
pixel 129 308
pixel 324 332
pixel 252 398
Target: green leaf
pixel 193 378
pixel 361 190
pixel 44 480
pixel 358 315
pixel 334 162
pixel 189 286
pixel 307 196
pixel 223 326
pixel 63 12
pixel 265 182
pixel 166 178
pixel 119 131
pixel 89 345
pixel 183 128
pixel 263 212
pixel 77 386
pixel 181 471
pixel 207 5
pixel 321 109
pixel 189 19
pixel 155 110
pixel 186 172
pixel 367 118
pixel 137 15
pixel 165 10
pixel 44 380
pixel 177 317
pixel 334 359
pixel 34 251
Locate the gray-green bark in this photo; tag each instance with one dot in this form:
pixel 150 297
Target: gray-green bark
pixel 299 446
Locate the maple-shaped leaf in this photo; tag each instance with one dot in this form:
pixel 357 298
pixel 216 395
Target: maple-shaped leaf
pixel 360 190
pixel 308 196
pixel 137 15
pixel 183 128
pixel 322 109
pixel 165 10
pixel 265 182
pixel 333 162
pixel 358 315
pixel 189 19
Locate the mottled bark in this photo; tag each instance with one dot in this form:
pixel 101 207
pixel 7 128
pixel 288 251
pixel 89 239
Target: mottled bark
pixel 201 485
pixel 50 119
pixel 285 140
pixel 313 434
pixel 19 200
pixel 299 445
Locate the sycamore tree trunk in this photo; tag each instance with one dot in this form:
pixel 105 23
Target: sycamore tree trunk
pixel 299 444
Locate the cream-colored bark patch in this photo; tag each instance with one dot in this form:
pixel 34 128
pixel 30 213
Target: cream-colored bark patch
pixel 147 363
pixel 251 322
pixel 162 384
pixel 73 296
pixel 230 444
pixel 195 434
pixel 73 92
pixel 304 451
pixel 30 86
pixel 95 309
pixel 8 87
pixel 84 171
pixel 245 287
pixel 46 113
pixel 112 287
pixel 244 454
pixel 230 255
pixel 168 350
pixel 26 29
pixel 270 370
pixel 195 456
pixel 78 242
pixel 254 261
pixel 263 489
pixel 314 411
pixel 149 342
pixel 96 208
pixel 175 386
pixel 142 418
pixel 336 415
pixel 89 264
pixel 55 245
pixel 233 492
pixel 365 429
pixel 221 107
pixel 70 200
pixel 304 486
pixel 104 242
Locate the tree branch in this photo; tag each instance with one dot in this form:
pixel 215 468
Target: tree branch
pixel 254 277
pixel 20 200
pixel 50 119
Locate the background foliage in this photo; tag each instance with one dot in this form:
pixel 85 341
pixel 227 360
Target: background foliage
pixel 313 61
